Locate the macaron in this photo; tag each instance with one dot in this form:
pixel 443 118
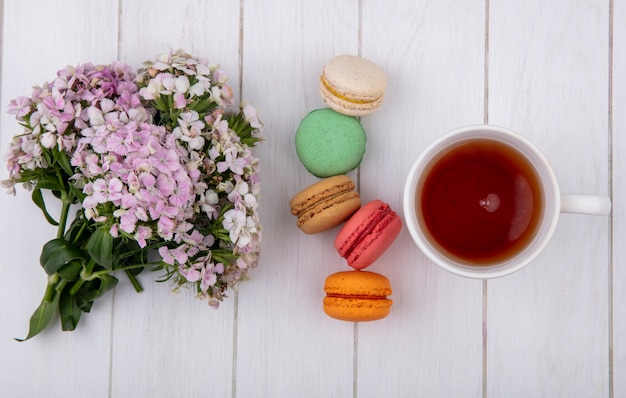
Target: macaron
pixel 368 234
pixel 329 143
pixel 325 204
pixel 352 85
pixel 357 296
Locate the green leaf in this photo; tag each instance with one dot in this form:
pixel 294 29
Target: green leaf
pixel 107 282
pixel 50 182
pixel 58 252
pixel 42 316
pixel 46 155
pixel 93 289
pixel 69 310
pixel 100 247
pixel 38 199
pixel 202 106
pixel 70 271
pixel 62 159
pixel 78 231
pixel 159 103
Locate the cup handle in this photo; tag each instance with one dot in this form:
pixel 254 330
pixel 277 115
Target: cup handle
pixel 585 204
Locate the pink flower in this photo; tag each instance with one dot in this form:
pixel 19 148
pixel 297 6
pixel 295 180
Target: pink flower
pixel 120 142
pixel 165 228
pixel 128 222
pixel 232 162
pixel 179 101
pixel 165 185
pixel 166 160
pixel 48 140
pixel 167 258
pixel 180 254
pixel 20 107
pixel 190 273
pixel 55 101
pixel 208 278
pixel 181 194
pixel 107 191
pixel 143 233
pixel 252 116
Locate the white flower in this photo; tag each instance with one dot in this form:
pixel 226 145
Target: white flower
pixel 197 89
pixel 182 84
pixel 168 85
pixel 96 118
pixel 234 222
pixel 239 190
pixel 250 201
pixel 208 201
pixel 246 233
pixel 48 140
pixel 190 130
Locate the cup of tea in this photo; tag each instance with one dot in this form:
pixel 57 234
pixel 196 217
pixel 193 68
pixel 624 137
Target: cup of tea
pixel 482 202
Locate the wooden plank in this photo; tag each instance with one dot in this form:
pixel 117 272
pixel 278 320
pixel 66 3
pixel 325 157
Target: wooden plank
pixel 167 344
pixel 39 38
pixel 548 330
pixel 431 344
pixel 287 346
pixel 619 197
pixel 548 80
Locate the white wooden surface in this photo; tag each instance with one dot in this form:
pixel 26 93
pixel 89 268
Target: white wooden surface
pixel 555 71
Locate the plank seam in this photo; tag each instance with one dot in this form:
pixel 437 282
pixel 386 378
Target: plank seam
pixel 355 357
pixel 236 296
pixel 611 219
pixel 112 332
pixel 2 25
pixel 486 121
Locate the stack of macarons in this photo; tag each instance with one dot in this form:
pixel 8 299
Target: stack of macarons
pixel 330 142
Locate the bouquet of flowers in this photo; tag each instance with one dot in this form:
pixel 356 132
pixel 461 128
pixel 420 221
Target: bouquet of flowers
pixel 158 161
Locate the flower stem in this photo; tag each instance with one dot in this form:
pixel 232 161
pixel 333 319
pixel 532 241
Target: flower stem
pixel 144 249
pixel 50 288
pixel 85 276
pixel 89 277
pixel 80 232
pixel 134 281
pixel 67 202
pixel 135 266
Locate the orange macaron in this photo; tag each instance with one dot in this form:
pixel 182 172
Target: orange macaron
pixel 325 204
pixel 357 296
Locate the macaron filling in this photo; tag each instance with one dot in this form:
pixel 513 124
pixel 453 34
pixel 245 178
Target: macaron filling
pixel 343 97
pixel 377 223
pixel 356 296
pixel 325 196
pixel 318 208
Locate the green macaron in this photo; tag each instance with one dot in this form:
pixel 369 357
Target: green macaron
pixel 329 143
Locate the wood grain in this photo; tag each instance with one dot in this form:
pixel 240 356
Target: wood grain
pixel 553 71
pixel 167 344
pixel 618 96
pixel 431 344
pixel 548 77
pixel 35 45
pixel 298 349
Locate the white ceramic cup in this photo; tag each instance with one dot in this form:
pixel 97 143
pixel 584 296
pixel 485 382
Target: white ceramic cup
pixel 554 202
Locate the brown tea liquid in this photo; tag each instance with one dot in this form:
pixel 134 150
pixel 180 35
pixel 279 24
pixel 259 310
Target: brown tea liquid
pixel 481 202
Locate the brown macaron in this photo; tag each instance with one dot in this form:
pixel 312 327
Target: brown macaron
pixel 325 204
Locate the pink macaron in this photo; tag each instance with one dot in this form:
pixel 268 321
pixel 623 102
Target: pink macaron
pixel 367 234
